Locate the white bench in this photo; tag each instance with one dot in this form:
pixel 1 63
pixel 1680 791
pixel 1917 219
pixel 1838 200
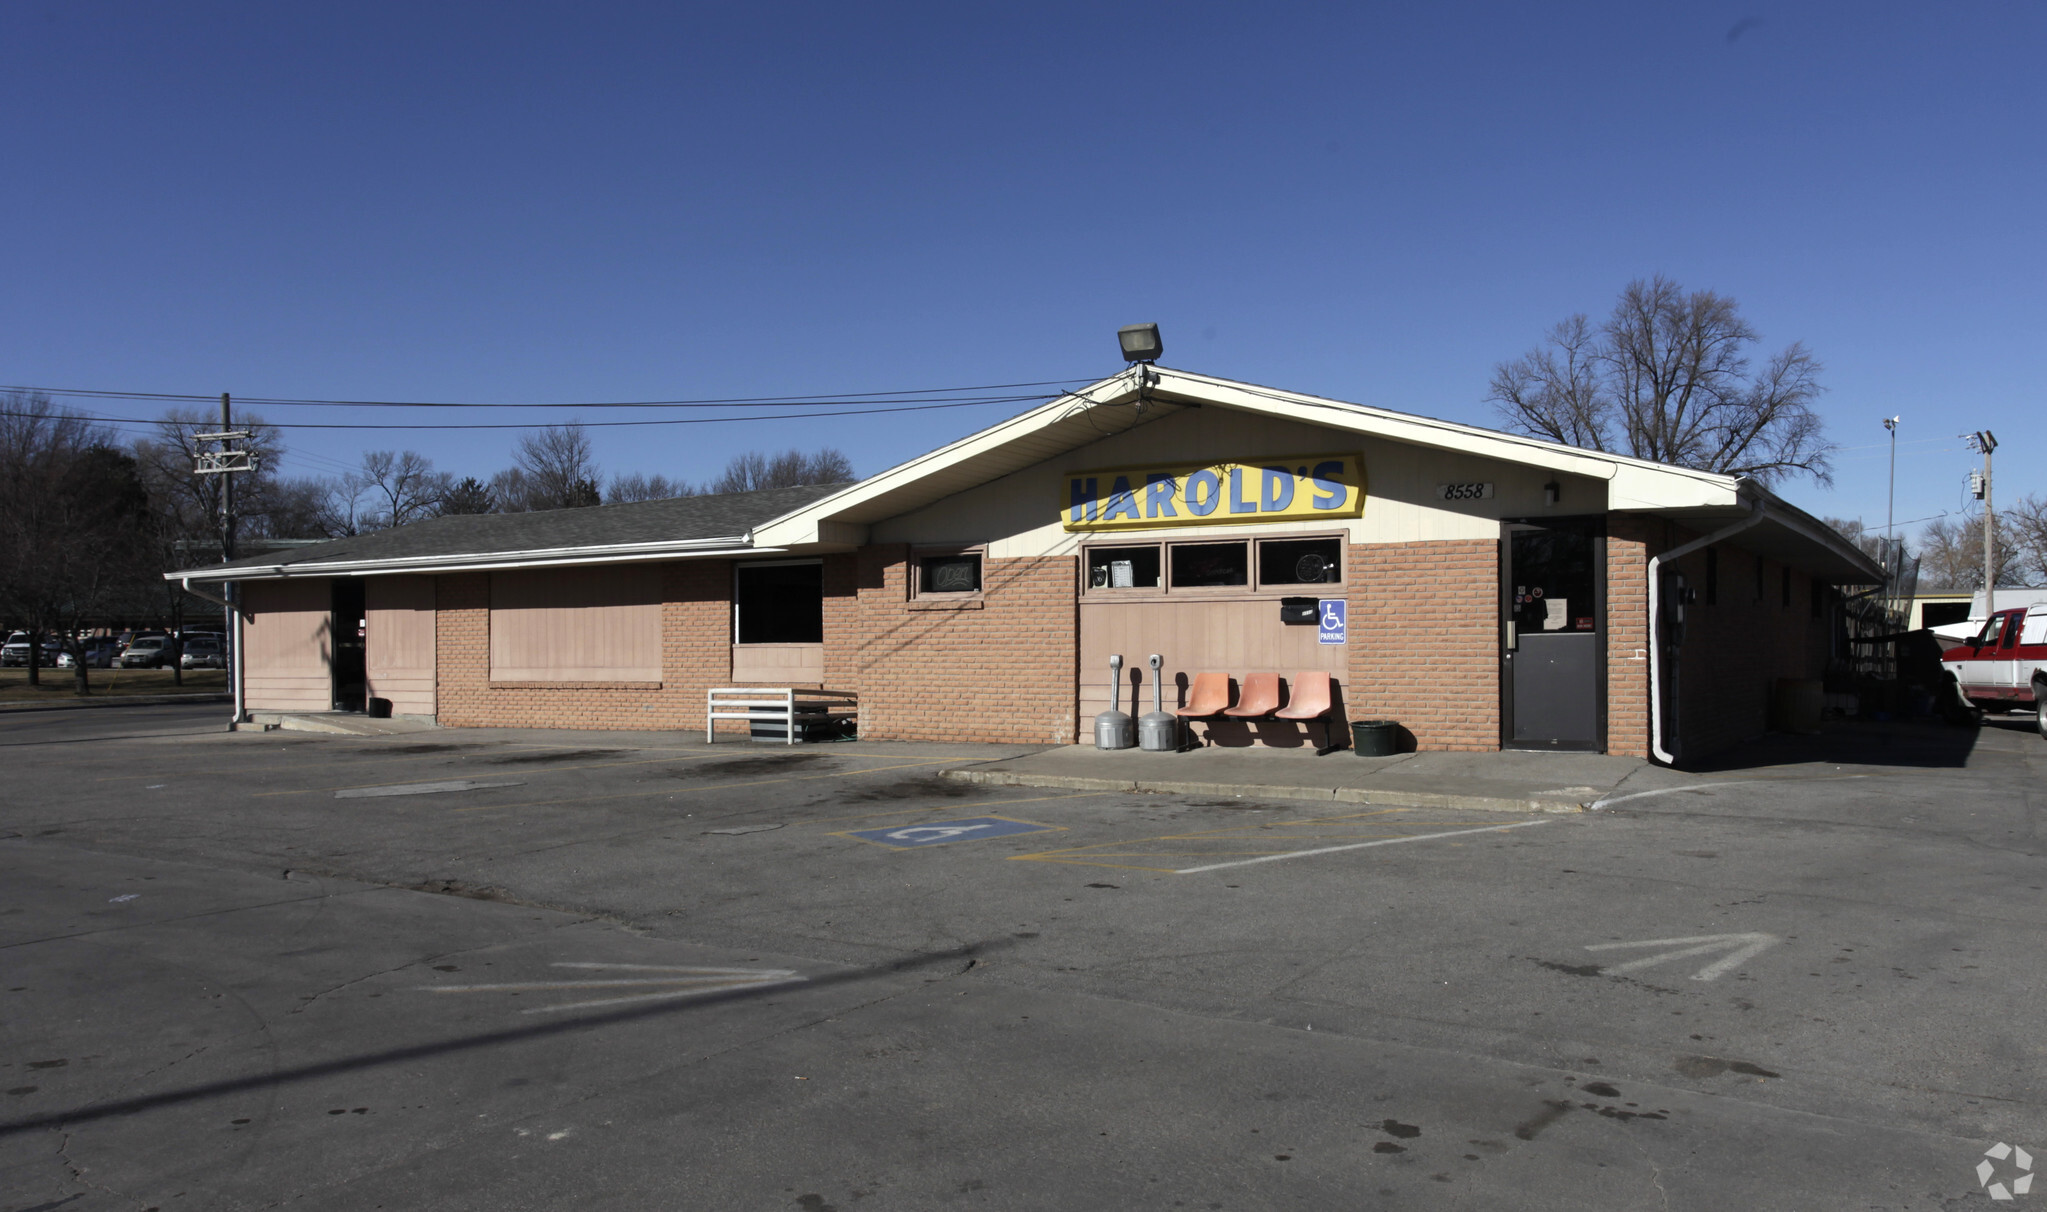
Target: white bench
pixel 788 708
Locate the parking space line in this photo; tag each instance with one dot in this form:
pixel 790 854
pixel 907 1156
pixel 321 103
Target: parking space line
pixel 1204 843
pixel 1389 841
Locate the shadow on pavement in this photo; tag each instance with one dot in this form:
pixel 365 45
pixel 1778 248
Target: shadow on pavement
pixel 415 1052
pixel 1926 744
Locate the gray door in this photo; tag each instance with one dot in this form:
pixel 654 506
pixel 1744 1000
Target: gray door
pixel 1553 657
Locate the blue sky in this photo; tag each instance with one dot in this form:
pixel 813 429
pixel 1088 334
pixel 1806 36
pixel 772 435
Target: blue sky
pixel 521 203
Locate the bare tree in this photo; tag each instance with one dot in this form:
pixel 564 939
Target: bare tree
pixel 401 487
pixel 1870 542
pixel 2024 525
pixel 1951 554
pixel 1668 377
pixel 638 487
pixel 556 467
pixel 753 471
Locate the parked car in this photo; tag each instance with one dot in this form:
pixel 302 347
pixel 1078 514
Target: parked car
pixel 100 651
pixel 203 651
pixel 15 651
pixel 150 652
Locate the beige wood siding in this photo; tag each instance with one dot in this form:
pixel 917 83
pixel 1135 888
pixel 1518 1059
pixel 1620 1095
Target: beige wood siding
pixel 399 623
pixel 1235 638
pixel 779 664
pixel 285 644
pixel 598 624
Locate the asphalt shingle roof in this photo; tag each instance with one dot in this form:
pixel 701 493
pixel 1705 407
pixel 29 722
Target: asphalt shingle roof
pixel 679 519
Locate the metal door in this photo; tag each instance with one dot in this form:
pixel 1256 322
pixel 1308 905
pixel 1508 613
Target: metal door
pixel 1553 651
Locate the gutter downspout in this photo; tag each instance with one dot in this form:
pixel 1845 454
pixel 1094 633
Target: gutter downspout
pixel 234 652
pixel 1656 748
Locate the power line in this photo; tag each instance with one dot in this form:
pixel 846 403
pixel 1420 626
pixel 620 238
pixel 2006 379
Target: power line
pixel 787 416
pixel 908 395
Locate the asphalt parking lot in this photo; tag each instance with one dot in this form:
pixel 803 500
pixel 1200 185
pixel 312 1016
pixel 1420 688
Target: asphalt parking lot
pixel 504 970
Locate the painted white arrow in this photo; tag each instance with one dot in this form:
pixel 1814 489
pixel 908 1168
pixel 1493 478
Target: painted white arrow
pixel 675 983
pixel 1739 947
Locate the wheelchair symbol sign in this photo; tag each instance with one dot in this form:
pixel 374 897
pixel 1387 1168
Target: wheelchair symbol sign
pixel 973 829
pixel 1331 618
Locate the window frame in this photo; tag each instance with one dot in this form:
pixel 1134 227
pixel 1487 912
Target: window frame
pixel 1253 589
pixel 791 562
pixel 918 596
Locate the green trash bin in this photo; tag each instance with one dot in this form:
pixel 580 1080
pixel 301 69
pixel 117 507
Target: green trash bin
pixel 1374 738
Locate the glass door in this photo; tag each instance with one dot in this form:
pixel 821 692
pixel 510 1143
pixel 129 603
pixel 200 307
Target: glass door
pixel 1552 667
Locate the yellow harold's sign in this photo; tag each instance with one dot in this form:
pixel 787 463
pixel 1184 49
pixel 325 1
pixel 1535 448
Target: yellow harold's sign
pixel 1285 488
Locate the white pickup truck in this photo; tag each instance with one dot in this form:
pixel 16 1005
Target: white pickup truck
pixel 2004 665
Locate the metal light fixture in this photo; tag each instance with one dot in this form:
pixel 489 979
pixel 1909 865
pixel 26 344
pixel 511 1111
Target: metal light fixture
pixel 1140 342
pixel 1552 493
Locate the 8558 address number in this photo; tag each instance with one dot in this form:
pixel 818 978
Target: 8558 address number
pixel 1465 492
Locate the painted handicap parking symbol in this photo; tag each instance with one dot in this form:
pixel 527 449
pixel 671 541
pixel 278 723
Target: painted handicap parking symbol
pixel 973 829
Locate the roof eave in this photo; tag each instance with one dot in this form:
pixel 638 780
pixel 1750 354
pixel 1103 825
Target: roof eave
pixel 616 553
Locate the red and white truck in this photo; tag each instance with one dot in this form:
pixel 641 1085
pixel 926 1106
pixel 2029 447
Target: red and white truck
pixel 2004 665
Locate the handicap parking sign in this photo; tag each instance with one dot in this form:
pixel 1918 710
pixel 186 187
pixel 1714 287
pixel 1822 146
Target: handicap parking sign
pixel 973 829
pixel 1330 614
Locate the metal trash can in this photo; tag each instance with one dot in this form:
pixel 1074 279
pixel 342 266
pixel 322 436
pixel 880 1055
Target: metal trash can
pixel 1374 738
pixel 1115 729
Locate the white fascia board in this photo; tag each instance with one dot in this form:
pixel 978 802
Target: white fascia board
pixel 1654 485
pixel 1632 483
pixel 808 524
pixel 559 557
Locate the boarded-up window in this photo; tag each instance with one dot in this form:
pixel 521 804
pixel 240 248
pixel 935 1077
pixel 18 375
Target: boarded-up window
pixel 576 624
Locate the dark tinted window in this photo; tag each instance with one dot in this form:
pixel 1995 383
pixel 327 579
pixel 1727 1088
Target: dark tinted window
pixel 1198 565
pixel 1300 561
pixel 1123 567
pixel 781 603
pixel 949 574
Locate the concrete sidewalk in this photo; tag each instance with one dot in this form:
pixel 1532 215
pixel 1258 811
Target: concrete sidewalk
pixel 1500 782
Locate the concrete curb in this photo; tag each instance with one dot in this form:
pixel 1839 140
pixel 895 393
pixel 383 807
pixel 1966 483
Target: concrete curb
pixel 132 700
pixel 1387 797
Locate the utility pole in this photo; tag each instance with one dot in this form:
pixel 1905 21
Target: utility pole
pixel 1891 497
pixel 226 463
pixel 1985 442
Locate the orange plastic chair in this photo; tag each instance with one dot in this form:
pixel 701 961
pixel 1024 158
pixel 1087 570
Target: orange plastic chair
pixel 1209 696
pixel 1260 697
pixel 1311 700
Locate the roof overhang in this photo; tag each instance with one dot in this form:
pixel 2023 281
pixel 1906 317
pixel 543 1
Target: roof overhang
pixel 553 557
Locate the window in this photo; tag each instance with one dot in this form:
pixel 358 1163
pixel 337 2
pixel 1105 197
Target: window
pixel 1300 561
pixel 1210 565
pixel 1712 576
pixel 1123 567
pixel 778 603
pixel 1787 585
pixel 948 574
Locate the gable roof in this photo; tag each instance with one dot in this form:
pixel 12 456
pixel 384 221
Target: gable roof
pixel 679 526
pixel 1703 500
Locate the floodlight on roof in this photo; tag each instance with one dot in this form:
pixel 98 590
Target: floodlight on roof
pixel 1140 342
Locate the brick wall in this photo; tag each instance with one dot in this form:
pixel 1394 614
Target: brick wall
pixel 1424 637
pixel 1002 669
pixel 1628 540
pixel 696 654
